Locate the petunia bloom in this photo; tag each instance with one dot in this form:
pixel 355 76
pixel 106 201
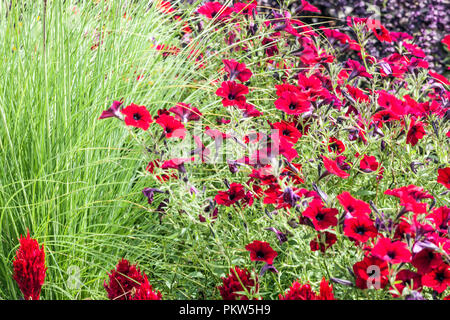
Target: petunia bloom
pixel 137 116
pixel 444 177
pixel 322 218
pixel 235 193
pixel 261 251
pixel 184 112
pixel 415 133
pixel 172 127
pixel 233 93
pixel 237 70
pixel 113 111
pixel 391 251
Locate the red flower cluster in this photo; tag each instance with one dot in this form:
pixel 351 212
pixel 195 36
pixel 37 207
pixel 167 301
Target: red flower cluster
pixel 300 291
pixel 29 267
pixel 238 281
pixel 127 283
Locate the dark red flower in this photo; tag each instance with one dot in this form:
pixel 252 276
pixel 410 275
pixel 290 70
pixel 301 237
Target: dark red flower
pixel 407 278
pixel 371 272
pixel 237 70
pixel 335 145
pixel 293 103
pixel 287 130
pixel 215 10
pixel 357 70
pixel 172 127
pixel 369 164
pixel 299 291
pixel 438 279
pixel 176 163
pixel 415 133
pixel 123 281
pixel 426 260
pixel 326 291
pixel 113 111
pixel 185 112
pixel 391 251
pixel 354 207
pixel 137 116
pixel 236 281
pixel 323 241
pixel 29 267
pixel 261 251
pixel 145 291
pixel 444 177
pixel 360 229
pixel 233 93
pixel 333 168
pixel 440 218
pixel 322 218
pixel 235 193
pixel 249 110
pixel 244 8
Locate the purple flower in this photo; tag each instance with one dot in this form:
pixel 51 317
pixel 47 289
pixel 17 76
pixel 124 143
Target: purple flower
pixel 282 237
pixel 113 111
pixel 149 192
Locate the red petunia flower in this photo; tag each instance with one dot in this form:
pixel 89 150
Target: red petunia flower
pixel 322 218
pixel 360 229
pixel 237 70
pixel 438 279
pixel 137 116
pixel 336 146
pixel 354 207
pixel 235 193
pixel 215 10
pixel 287 130
pixel 333 168
pixel 323 241
pixel 415 133
pixel 391 251
pixel 357 70
pixel 185 112
pixel 261 251
pixel 123 281
pixel 426 260
pixel 293 102
pixel 371 272
pixel 444 177
pixel 233 93
pixel 440 218
pixel 236 281
pixel 407 278
pixel 247 9
pixel 172 127
pixel 29 267
pixel 369 164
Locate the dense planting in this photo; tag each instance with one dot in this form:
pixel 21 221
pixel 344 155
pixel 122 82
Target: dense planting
pixel 285 160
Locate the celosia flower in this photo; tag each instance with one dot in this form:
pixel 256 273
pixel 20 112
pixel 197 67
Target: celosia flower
pixel 29 267
pixel 299 291
pixel 145 292
pixel 137 116
pixel 232 284
pixel 261 251
pixel 123 281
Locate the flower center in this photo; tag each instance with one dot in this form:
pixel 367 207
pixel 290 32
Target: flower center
pixel 360 230
pixel 137 116
pixel 320 216
pixel 260 254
